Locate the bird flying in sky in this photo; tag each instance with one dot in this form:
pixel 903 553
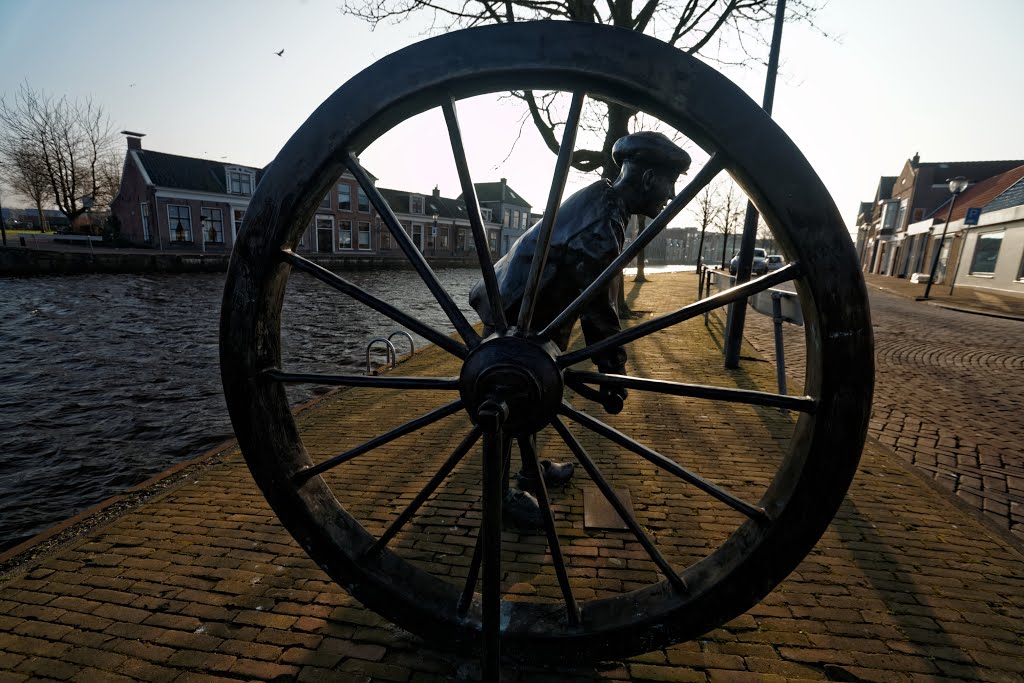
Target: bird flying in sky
pixel 280 53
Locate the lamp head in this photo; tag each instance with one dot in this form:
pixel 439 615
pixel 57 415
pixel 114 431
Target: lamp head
pixel 958 184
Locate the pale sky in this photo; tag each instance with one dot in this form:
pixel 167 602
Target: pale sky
pixel 200 78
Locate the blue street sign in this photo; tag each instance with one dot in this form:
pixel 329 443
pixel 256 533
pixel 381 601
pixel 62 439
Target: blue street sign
pixel 972 216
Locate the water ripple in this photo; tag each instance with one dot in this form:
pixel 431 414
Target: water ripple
pixel 110 379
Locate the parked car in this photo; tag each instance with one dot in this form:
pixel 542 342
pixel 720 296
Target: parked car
pixel 775 261
pixel 759 266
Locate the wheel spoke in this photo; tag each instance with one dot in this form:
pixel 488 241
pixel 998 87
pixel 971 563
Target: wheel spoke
pixel 466 599
pixel 490 529
pixel 361 295
pixel 532 462
pixel 803 404
pixel 540 254
pixel 476 221
pixel 665 463
pixel 454 459
pixel 747 289
pixel 381 382
pixel 595 474
pixel 433 416
pixel 703 178
pixel 455 315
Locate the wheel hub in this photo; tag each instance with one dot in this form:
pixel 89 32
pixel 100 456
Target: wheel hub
pixel 519 373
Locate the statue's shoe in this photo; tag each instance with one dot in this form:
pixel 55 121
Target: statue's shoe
pixel 521 509
pixel 556 475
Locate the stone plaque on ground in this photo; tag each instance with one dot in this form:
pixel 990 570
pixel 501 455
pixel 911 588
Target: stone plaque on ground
pixel 598 513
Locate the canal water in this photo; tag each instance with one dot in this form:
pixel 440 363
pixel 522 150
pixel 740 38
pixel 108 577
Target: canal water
pixel 106 380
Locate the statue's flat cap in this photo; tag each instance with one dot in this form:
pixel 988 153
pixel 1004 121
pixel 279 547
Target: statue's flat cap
pixel 654 149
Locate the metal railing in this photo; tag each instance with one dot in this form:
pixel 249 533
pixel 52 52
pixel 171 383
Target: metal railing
pixel 782 306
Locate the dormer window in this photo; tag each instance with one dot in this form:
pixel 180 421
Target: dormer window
pixel 486 214
pixel 416 204
pixel 240 180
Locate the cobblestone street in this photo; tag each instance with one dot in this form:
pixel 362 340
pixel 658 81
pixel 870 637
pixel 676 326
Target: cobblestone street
pixel 948 397
pixel 201 583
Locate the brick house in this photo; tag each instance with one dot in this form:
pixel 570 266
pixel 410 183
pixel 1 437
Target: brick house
pixel 988 254
pixel 439 226
pixel 914 194
pixel 167 201
pixel 876 227
pixel 507 208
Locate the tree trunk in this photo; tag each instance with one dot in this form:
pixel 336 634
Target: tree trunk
pixel 641 223
pixel 42 216
pixel 700 247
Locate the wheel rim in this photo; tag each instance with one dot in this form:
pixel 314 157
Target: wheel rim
pixel 680 91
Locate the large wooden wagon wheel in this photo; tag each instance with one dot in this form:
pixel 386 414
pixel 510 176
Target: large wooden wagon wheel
pixel 776 532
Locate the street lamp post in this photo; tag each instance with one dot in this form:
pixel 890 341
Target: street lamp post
pixel 956 186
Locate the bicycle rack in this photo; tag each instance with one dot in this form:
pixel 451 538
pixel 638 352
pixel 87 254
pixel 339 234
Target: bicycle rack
pixel 392 355
pixel 403 333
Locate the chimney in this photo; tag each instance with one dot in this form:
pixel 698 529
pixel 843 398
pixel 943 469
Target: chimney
pixel 504 181
pixel 437 192
pixel 915 160
pixel 134 139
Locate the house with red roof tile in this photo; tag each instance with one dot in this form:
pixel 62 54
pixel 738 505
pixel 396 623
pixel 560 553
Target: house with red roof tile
pixel 169 201
pixel 980 235
pixel 920 189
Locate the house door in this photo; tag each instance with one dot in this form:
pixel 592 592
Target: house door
pixel 417 235
pixel 324 234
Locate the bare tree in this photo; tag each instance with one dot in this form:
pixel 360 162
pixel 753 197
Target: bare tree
pixel 73 140
pixel 765 237
pixel 705 211
pixel 24 172
pixel 732 205
pixel 693 26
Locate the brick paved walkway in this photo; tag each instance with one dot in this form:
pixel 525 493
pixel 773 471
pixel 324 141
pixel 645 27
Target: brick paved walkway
pixel 201 582
pixel 948 395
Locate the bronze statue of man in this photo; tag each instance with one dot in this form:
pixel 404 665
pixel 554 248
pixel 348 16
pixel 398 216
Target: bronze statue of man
pixel 588 235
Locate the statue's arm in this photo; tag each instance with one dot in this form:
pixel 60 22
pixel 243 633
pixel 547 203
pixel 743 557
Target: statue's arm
pixel 600 318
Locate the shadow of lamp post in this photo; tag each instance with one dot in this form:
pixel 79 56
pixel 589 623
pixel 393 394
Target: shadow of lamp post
pixel 956 186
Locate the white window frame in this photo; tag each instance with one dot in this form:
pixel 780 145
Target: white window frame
pixel 347 190
pixel 486 213
pixel 416 204
pixel 240 174
pixel 417 231
pixel 362 200
pixel 360 231
pixel 237 216
pixel 345 227
pixel 992 234
pixel 144 214
pixel 206 214
pixel 172 228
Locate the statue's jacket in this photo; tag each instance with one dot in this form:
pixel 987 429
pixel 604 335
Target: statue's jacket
pixel 587 237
